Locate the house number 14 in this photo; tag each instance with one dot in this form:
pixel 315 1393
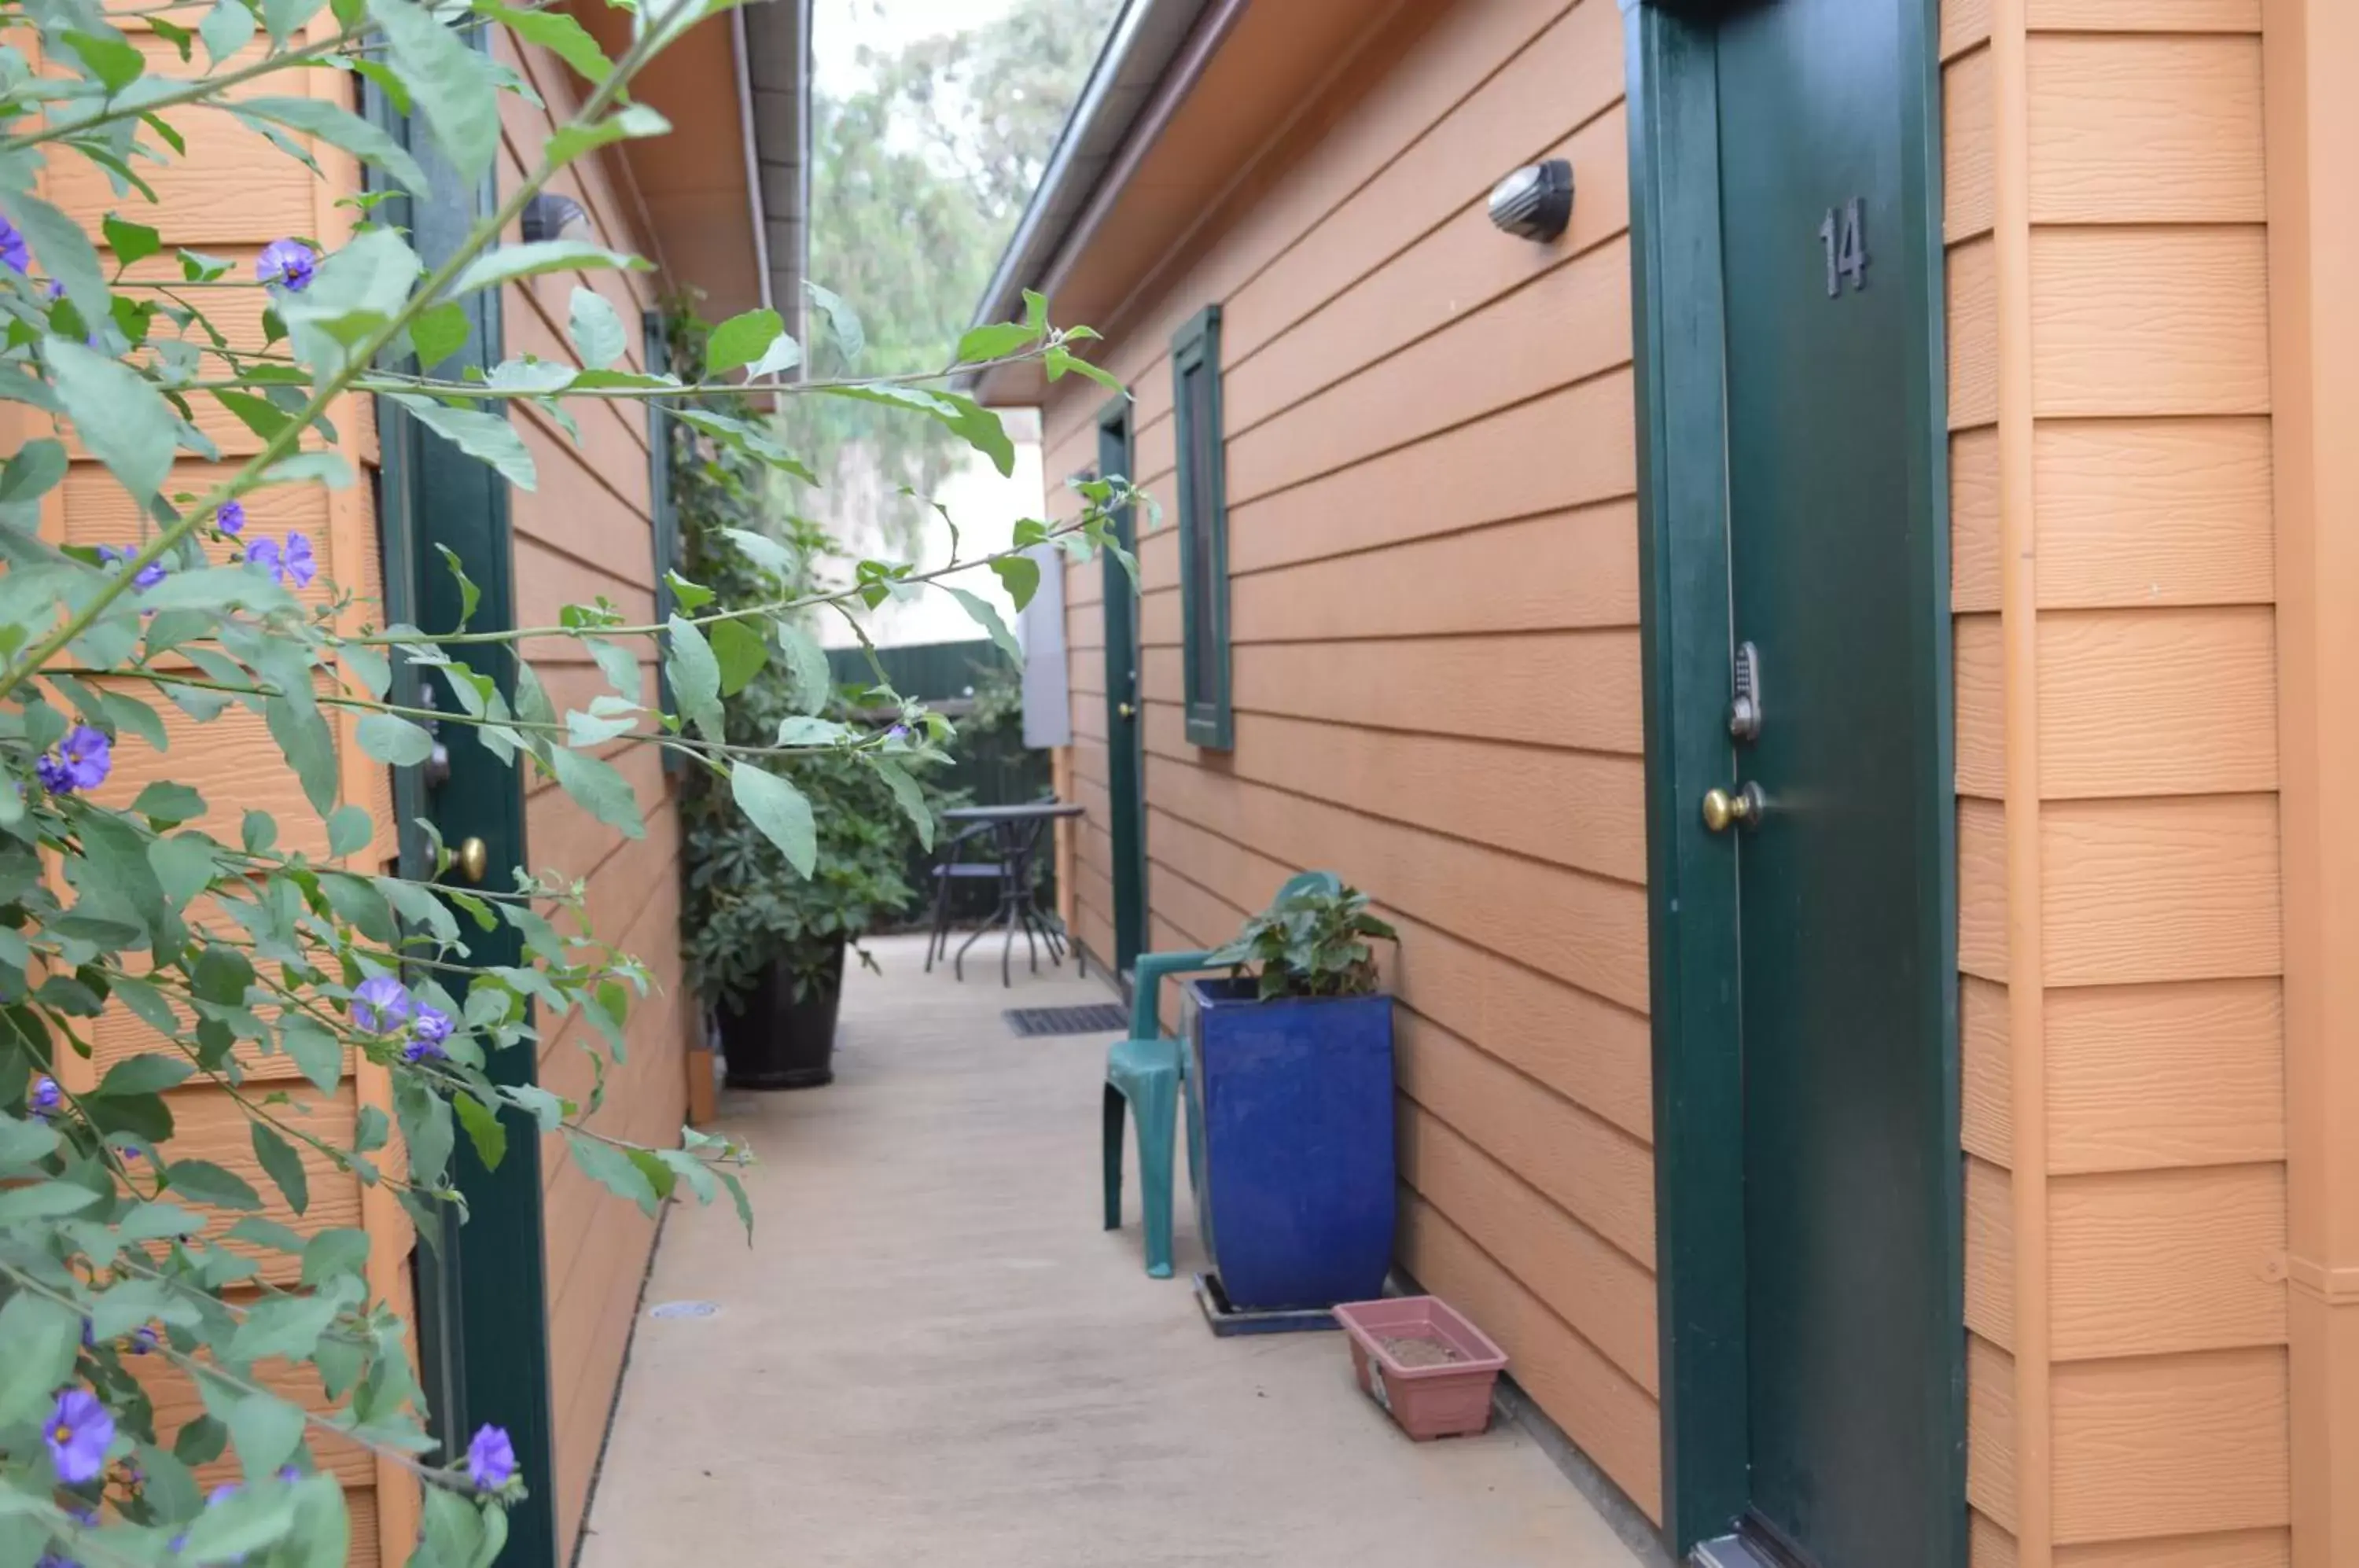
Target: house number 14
pixel 1846 248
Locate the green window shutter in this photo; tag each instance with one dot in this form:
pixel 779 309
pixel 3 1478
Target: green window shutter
pixel 659 503
pixel 1203 527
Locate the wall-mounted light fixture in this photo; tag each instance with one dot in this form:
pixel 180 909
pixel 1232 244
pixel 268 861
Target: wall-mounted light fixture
pixel 1535 202
pixel 547 216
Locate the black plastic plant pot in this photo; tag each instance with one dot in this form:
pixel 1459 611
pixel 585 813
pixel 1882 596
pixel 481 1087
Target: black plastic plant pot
pixel 777 1040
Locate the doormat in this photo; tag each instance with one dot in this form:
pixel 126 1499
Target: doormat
pixel 1099 1018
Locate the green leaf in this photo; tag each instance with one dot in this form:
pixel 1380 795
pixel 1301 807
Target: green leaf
pixel 340 127
pixel 595 329
pixel 43 1201
pixel 227 28
pixel 260 415
pixel 170 803
pixel 148 1073
pixel 185 867
pixel 556 32
pixel 437 333
pixel 356 291
pixel 843 322
pixel 995 342
pixel 630 122
pixel 124 421
pixel 962 416
pixel 285 18
pixel 203 1181
pixel 985 615
pixel 468 596
pixel 612 1169
pixel 310 747
pixel 283 1166
pixel 909 798
pixel 39 1340
pixel 812 679
pixel 452 84
pixel 394 740
pixel 486 436
pixel 200 1441
pixel 130 242
pixel 598 789
pixel 159 1222
pixel 779 810
pixel 695 677
pixel 256 1231
pixel 483 1129
pixel 1019 575
pixel 114 63
pixel 315 1050
pixel 22 1143
pixel 510 262
pixel 266 1430
pixel 740 340
pixel 350 829
pixel 741 653
pixel 340 1250
pixel 37 469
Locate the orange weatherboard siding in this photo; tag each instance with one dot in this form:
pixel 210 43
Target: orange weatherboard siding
pixel 587 531
pixel 2121 903
pixel 232 762
pixel 1432 542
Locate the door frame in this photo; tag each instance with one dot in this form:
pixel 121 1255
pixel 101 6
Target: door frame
pixel 1679 339
pixel 1120 608
pixel 481 1288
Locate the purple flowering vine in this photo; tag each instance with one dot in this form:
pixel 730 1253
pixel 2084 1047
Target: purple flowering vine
pixel 231 519
pixel 289 264
pixel 291 563
pixel 146 577
pixel 78 1432
pixel 81 761
pixel 46 1097
pixel 13 252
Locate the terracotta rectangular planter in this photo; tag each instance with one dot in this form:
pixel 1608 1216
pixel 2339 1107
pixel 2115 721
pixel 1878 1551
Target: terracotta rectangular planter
pixel 1424 1363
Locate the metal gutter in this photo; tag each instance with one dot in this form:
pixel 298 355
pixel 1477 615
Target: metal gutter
pixel 1128 92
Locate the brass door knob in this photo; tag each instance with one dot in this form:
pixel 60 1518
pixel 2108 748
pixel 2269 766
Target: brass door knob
pixel 1724 809
pixel 474 858
pixel 1126 710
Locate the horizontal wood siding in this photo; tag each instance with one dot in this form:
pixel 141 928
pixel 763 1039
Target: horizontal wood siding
pixel 1436 657
pixel 2122 366
pixel 587 529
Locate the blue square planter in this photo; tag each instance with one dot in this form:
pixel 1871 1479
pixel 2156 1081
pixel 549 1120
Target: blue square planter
pixel 1290 1130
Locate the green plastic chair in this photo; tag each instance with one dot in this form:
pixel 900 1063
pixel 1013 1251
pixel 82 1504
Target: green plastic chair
pixel 1144 1074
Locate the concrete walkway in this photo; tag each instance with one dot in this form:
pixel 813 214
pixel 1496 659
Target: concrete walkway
pixel 932 1355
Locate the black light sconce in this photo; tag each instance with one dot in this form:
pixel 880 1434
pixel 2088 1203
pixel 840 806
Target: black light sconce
pixel 1535 202
pixel 547 216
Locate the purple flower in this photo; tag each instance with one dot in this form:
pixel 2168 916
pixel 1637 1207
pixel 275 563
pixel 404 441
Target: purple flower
pixel 428 1030
pixel 144 1339
pixel 46 1096
pixel 14 251
pixel 288 263
pixel 289 1474
pixel 81 761
pixel 381 1005
pixel 490 1459
pixel 78 1432
pixel 289 563
pixel 56 1559
pixel 146 577
pixel 231 519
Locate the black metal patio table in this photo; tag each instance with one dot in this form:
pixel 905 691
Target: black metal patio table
pixel 1015 833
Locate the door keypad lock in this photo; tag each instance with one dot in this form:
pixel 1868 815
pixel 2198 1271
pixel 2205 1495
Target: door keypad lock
pixel 1745 704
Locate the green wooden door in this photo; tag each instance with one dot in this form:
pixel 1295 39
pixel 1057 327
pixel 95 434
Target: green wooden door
pixel 1852 1332
pixel 1126 741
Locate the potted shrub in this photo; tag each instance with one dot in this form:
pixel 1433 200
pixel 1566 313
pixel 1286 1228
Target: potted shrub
pixel 766 947
pixel 1291 1107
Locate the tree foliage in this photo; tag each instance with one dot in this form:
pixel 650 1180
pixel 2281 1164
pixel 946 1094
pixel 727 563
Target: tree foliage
pixel 918 180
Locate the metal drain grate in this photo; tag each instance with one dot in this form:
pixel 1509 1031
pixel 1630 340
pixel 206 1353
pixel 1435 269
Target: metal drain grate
pixel 1099 1018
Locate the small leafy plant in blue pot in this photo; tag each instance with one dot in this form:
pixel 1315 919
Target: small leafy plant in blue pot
pixel 1290 1105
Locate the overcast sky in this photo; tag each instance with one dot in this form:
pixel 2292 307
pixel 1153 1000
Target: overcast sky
pixel 838 29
